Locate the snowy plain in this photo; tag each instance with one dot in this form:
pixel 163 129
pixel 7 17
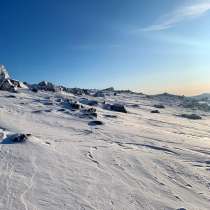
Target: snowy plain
pixel 135 160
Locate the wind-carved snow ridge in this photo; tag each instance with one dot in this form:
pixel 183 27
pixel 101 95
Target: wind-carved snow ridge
pixel 103 149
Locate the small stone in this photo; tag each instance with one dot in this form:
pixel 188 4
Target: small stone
pixel 159 106
pixel 155 111
pixel 95 122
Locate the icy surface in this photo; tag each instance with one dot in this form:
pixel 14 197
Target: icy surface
pixel 135 160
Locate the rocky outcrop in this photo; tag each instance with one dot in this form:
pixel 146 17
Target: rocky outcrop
pixel 20 138
pixel 89 112
pixel 47 86
pixel 99 94
pixel 195 105
pixel 88 102
pixel 115 107
pixel 8 84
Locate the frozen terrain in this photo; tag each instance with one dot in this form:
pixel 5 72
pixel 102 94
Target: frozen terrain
pixel 135 160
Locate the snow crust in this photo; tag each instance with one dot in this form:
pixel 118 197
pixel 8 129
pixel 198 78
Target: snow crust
pixel 135 160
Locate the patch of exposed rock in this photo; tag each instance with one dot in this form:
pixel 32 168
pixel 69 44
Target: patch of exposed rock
pixel 115 107
pixel 8 84
pixel 191 116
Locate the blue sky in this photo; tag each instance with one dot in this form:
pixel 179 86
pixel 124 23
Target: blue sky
pixel 148 46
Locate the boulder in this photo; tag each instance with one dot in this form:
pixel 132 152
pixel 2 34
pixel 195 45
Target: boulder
pixel 88 102
pixel 20 138
pixel 118 108
pixel 115 107
pixel 95 122
pixel 77 91
pixel 34 89
pixel 99 94
pixel 191 116
pixel 155 111
pixel 46 86
pixel 74 105
pixel 89 112
pixel 159 106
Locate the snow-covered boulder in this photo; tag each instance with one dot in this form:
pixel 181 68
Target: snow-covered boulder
pixel 88 113
pixel 115 107
pixel 191 116
pixel 88 102
pixel 47 86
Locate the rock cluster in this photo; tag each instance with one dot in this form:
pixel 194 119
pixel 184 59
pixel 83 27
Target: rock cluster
pixel 8 84
pixel 195 105
pixel 88 102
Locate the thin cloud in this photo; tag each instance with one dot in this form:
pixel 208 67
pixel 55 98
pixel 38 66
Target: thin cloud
pixel 181 14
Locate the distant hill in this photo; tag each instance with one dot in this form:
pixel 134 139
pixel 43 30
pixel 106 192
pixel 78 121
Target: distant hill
pixel 204 96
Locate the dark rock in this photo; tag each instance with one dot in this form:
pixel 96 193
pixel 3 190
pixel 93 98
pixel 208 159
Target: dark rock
pixel 195 105
pixel 159 106
pixel 88 102
pixel 48 103
pixel 74 105
pixel 95 122
pixel 99 94
pixel 115 107
pixel 110 116
pixel 46 86
pixel 59 100
pixel 48 110
pixel 77 91
pixel 89 112
pixel 134 105
pixel 61 110
pixel 191 116
pixel 155 111
pixel 33 89
pixel 20 138
pixel 8 84
pixel 11 96
pixel 110 89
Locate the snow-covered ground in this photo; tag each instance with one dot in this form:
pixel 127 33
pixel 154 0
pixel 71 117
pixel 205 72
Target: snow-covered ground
pixel 135 160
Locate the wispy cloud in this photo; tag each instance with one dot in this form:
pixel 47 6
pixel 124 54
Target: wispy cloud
pixel 184 13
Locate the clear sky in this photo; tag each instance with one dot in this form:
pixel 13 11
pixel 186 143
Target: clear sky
pixel 150 46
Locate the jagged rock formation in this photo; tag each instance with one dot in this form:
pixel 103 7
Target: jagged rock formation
pixel 8 84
